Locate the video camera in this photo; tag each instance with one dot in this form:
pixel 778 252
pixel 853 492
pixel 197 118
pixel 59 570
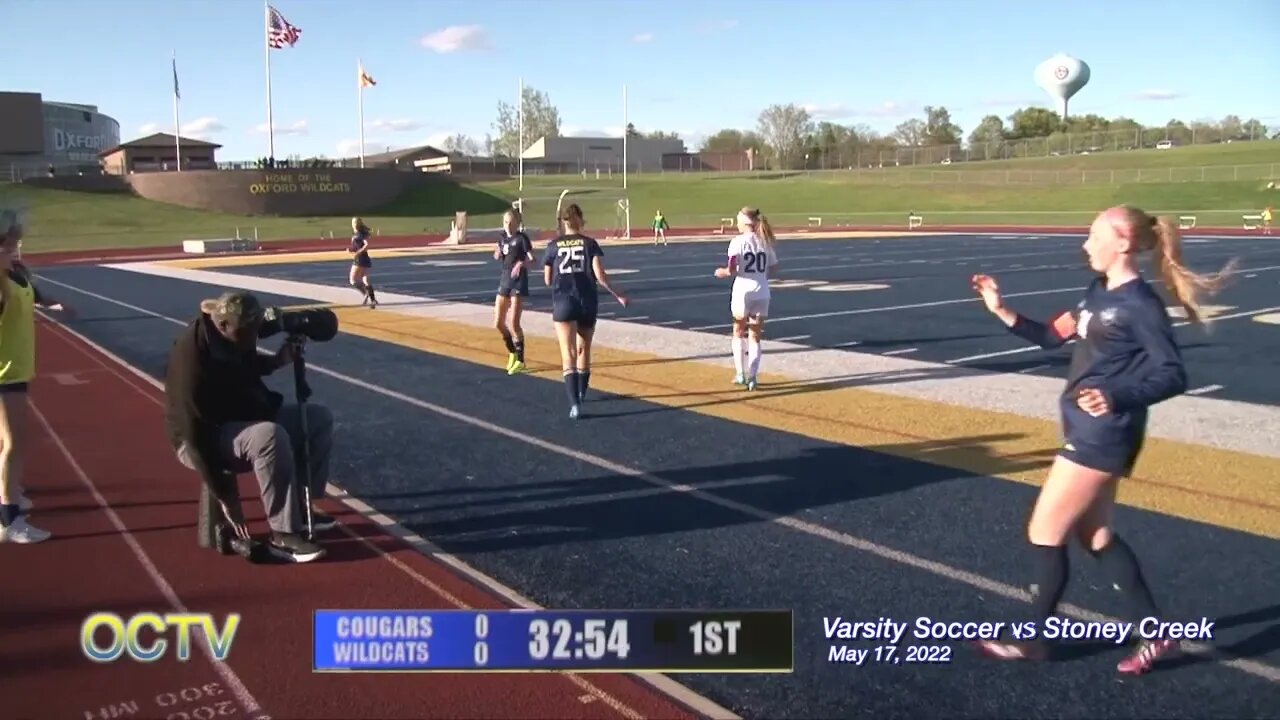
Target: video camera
pixel 317 324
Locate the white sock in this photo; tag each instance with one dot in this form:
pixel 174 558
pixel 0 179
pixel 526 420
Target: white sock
pixel 737 354
pixel 753 356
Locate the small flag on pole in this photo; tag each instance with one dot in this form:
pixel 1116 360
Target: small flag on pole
pixel 279 31
pixel 366 80
pixel 176 93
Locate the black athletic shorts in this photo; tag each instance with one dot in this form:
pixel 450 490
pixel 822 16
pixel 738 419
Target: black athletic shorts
pixel 571 308
pixel 1110 443
pixel 15 387
pixel 362 260
pixel 508 286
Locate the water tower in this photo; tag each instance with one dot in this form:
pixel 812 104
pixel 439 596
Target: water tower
pixel 1062 76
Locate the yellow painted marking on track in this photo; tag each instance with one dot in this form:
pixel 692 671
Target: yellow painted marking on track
pixel 216 261
pixel 1225 488
pixel 1268 318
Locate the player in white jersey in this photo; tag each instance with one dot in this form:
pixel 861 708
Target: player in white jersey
pixel 751 258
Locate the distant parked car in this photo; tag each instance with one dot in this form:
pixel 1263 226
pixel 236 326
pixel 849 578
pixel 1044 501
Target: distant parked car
pixel 1164 145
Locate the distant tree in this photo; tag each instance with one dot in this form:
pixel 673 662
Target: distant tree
pixel 631 131
pixel 785 130
pixel 541 119
pixel 910 132
pixel 1232 128
pixel 990 131
pixel 1253 130
pixel 461 144
pixel 662 135
pixel 1033 122
pixel 938 128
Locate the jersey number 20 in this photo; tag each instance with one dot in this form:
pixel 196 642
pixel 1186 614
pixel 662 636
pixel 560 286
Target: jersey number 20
pixel 755 262
pixel 572 259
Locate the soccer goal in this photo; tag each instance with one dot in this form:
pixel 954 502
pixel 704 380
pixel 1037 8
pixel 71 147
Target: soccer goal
pixel 607 214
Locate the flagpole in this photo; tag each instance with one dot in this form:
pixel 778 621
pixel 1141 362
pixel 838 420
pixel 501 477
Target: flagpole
pixel 360 92
pixel 624 137
pixel 520 140
pixel 266 46
pixel 177 127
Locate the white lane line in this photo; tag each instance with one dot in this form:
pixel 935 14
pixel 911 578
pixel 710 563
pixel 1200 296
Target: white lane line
pixel 792 338
pixel 224 671
pixel 1246 665
pixel 1205 389
pixel 1181 323
pixel 903 351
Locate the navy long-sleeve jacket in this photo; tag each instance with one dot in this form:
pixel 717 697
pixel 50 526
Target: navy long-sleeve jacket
pixel 1126 346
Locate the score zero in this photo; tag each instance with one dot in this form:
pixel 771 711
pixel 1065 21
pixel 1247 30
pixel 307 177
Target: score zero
pixel 709 637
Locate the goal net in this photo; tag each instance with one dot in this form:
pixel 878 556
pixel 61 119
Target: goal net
pixel 607 214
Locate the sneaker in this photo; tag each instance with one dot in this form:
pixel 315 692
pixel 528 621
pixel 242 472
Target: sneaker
pixel 751 384
pixel 511 362
pixel 24 503
pixel 1146 656
pixel 23 533
pixel 516 368
pixel 739 380
pixel 575 412
pixel 294 548
pixel 1013 650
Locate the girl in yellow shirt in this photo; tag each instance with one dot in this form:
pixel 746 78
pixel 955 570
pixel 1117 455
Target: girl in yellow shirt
pixel 18 299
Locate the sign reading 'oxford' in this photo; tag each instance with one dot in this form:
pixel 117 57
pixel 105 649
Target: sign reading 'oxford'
pixel 298 183
pixel 283 192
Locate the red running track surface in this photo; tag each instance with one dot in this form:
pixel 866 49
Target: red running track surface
pixel 122 512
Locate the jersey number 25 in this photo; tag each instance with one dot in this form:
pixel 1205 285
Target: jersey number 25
pixel 572 259
pixel 755 262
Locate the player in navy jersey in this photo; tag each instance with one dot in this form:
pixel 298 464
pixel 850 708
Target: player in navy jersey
pixel 515 250
pixel 360 262
pixel 1126 359
pixel 572 268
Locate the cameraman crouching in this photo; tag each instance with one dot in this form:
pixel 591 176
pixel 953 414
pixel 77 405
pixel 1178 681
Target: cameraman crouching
pixel 223 419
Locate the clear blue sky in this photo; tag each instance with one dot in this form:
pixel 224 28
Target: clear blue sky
pixel 692 67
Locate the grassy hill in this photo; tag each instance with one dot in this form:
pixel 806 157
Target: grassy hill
pixel 67 220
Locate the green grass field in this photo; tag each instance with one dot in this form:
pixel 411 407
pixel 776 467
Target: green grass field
pixel 65 220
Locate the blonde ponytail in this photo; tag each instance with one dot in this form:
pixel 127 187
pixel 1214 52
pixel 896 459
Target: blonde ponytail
pixel 1185 285
pixel 766 232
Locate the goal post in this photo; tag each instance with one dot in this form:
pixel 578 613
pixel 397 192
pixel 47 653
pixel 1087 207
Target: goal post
pixel 607 213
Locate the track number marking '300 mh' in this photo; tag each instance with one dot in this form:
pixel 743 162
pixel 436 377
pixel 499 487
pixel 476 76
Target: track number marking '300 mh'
pixel 204 702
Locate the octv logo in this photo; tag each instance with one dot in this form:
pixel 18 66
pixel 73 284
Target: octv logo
pixel 127 636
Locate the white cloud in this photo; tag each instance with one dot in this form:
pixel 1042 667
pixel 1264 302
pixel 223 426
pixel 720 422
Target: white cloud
pixel 719 26
pixel 886 110
pixel 199 129
pixel 643 38
pixel 297 128
pixel 436 140
pixel 402 125
pixel 1158 95
pixel 833 111
pixel 351 148
pixel 457 38
pixel 1016 103
pixel 575 131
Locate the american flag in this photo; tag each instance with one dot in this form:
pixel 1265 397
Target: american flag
pixel 279 31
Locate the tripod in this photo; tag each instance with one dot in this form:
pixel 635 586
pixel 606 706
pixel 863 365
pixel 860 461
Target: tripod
pixel 302 391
